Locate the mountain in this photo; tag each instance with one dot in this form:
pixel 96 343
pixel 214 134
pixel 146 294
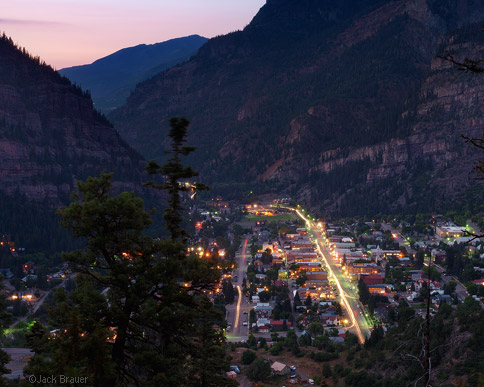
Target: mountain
pixel 111 79
pixel 344 105
pixel 50 136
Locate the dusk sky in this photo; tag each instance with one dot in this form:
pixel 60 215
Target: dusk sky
pixel 74 32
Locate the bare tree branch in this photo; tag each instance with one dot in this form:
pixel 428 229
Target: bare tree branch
pixel 467 65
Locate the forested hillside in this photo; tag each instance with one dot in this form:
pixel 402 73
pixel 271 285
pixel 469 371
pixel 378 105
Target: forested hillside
pixel 335 103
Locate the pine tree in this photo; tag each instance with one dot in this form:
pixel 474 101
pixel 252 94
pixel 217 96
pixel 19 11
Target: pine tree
pixel 5 319
pixel 176 173
pixel 139 314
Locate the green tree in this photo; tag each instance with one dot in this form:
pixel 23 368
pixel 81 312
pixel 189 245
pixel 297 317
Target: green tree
pixel 363 291
pixel 315 329
pixel 5 319
pixel 327 370
pixel 297 301
pixel 308 302
pixel 163 328
pixel 259 370
pixel 252 341
pixel 176 173
pixel 248 357
pixel 301 280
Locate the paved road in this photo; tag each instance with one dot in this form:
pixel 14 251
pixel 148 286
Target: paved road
pixel 348 296
pixel 19 359
pixel 460 289
pixel 397 236
pixel 235 311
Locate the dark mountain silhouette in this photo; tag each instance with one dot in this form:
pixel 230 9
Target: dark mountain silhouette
pixel 111 79
pixel 343 104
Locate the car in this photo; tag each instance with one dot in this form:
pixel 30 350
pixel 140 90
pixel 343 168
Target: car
pixel 293 368
pixel 235 369
pixel 244 323
pixel 293 376
pixel 245 312
pixel 310 381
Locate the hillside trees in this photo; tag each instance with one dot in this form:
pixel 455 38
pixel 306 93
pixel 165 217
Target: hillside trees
pixel 146 296
pixel 4 322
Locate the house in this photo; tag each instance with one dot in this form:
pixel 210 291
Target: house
pixel 280 369
pixel 278 324
pixel 444 298
pixel 28 267
pixel 263 307
pixel 479 282
pixel 380 288
pixel 302 231
pixel 231 375
pixel 31 277
pixel 329 320
pixel 6 273
pixel 337 340
pixel 302 378
pixel 372 279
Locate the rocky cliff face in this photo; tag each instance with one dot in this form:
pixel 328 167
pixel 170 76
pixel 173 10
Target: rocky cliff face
pixel 331 101
pixel 50 136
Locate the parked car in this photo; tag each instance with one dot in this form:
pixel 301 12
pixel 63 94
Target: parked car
pixel 293 376
pixel 293 368
pixel 244 323
pixel 235 369
pixel 310 381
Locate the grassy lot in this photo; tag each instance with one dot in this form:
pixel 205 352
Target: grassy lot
pixel 275 218
pixel 309 367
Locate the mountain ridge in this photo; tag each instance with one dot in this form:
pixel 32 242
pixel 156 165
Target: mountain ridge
pixel 264 116
pixel 112 78
pixel 50 137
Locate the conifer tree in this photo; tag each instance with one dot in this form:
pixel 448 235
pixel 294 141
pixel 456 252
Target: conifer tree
pixel 139 315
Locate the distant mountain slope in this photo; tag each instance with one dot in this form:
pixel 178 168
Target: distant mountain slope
pixel 328 101
pixel 50 136
pixel 111 79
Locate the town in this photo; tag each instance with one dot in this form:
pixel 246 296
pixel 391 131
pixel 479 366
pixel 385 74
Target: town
pixel 295 289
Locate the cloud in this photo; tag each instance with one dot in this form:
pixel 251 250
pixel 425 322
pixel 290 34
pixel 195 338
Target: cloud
pixel 28 22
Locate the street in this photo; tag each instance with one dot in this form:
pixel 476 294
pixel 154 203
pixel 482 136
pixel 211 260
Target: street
pixel 238 311
pixel 348 295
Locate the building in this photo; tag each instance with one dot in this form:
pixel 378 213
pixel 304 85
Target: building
pixel 302 231
pixel 362 268
pixel 280 369
pixel 449 231
pixel 372 279
pixel 316 275
pixel 279 324
pixel 380 288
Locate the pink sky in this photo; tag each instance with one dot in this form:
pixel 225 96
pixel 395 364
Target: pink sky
pixel 74 32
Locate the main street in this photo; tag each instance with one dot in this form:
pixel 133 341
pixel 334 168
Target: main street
pixel 238 311
pixel 347 292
